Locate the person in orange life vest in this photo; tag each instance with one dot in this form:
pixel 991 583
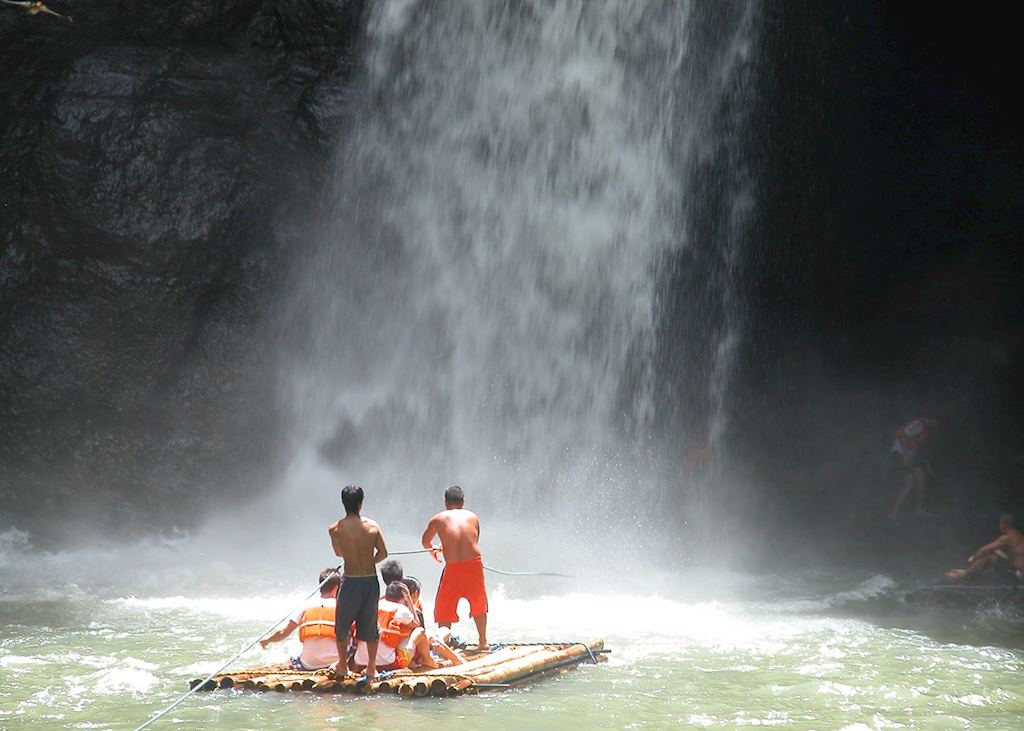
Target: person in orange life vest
pixel 437 643
pixel 315 622
pixel 397 625
pixel 413 585
pixel 463 575
pixel 391 571
pixel 911 447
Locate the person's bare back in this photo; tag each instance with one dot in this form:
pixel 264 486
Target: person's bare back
pixel 459 531
pixel 1015 548
pixel 359 542
pixel 463 575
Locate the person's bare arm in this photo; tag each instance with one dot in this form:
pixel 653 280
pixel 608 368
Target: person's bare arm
pixel 407 602
pixel 1000 542
pixel 379 547
pixel 280 634
pixel 429 533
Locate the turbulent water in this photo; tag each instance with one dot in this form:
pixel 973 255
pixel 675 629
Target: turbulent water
pixel 95 640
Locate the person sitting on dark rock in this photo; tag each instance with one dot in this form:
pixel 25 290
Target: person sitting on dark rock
pixel 1005 555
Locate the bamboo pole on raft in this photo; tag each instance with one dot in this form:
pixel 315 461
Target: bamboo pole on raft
pixel 531 665
pixel 482 664
pixel 458 679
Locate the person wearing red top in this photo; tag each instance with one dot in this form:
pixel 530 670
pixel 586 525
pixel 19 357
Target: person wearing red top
pixel 911 446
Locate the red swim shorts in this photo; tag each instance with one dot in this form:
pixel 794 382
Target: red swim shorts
pixel 461 580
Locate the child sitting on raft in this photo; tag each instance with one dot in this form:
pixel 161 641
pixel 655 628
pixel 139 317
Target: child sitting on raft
pixel 403 642
pixel 440 640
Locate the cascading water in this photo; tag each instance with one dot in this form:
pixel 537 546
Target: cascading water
pixel 483 302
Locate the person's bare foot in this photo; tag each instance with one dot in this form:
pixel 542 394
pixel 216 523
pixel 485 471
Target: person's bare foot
pixel 956 574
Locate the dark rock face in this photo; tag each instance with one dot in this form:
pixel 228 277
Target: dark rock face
pixel 152 157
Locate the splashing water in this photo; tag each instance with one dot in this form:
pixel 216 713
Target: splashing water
pixel 738 651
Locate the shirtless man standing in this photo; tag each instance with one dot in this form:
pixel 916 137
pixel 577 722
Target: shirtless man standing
pixel 1009 547
pixel 360 544
pixel 463 575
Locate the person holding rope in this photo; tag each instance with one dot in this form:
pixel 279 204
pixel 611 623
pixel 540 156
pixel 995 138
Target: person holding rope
pixel 315 622
pixel 463 574
pixel 360 544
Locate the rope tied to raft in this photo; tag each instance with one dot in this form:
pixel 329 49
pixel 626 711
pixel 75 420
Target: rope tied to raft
pixel 202 684
pixel 486 567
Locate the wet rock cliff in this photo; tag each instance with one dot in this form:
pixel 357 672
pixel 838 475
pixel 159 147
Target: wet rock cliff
pixel 154 160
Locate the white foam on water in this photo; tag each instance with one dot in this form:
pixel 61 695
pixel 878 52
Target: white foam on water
pixel 238 609
pixel 13 662
pixel 874 587
pixel 127 675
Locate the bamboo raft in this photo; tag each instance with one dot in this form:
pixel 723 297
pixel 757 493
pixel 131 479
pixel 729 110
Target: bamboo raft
pixel 507 667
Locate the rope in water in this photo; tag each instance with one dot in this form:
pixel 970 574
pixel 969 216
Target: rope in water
pixel 488 568
pixel 208 678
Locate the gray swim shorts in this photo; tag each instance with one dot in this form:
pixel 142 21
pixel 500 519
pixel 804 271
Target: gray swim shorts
pixel 357 602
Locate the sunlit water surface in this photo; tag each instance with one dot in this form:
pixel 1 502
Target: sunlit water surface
pixel 688 651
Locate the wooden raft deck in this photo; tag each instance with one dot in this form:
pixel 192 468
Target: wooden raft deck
pixel 503 668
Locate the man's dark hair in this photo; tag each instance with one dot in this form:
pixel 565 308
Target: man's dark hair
pixel 395 591
pixel 454 496
pixel 412 584
pixel 1008 521
pixel 352 498
pixel 329 580
pixel 391 571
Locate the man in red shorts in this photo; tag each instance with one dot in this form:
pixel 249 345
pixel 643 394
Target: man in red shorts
pixel 463 575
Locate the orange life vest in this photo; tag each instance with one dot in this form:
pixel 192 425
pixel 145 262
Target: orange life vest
pixel 317 622
pixel 391 632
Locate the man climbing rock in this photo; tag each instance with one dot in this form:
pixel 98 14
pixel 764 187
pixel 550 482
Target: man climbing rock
pixel 911 445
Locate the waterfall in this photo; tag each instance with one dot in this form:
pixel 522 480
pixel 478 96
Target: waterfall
pixel 481 302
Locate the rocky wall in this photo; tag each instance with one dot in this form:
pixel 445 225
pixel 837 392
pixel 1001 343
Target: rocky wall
pixel 154 159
